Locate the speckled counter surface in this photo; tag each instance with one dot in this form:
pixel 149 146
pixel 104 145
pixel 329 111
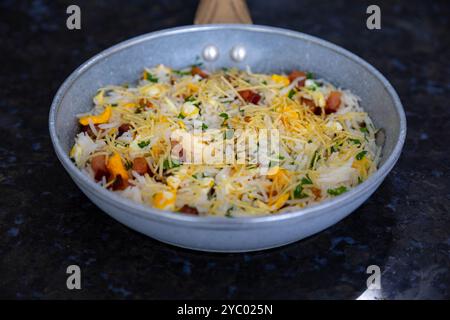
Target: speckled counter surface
pixel 46 223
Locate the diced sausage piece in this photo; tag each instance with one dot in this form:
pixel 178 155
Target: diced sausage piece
pixel 87 129
pixel 98 165
pixel 317 192
pixel 119 183
pixel 333 102
pixel 124 128
pixel 312 106
pixel 189 210
pixel 250 96
pixel 296 74
pixel 140 165
pixel 145 103
pixel 196 70
pixel 307 102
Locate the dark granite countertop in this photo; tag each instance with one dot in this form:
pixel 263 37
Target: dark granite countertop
pixel 46 223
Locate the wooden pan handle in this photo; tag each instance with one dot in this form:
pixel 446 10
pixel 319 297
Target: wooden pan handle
pixel 222 11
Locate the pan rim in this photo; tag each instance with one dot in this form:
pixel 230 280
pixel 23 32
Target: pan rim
pixel 149 213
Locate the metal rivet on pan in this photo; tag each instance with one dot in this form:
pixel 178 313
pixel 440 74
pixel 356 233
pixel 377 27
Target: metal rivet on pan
pixel 210 53
pixel 238 53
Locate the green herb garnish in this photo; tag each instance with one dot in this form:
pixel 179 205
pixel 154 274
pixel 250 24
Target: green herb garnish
pixel 298 192
pixel 337 191
pixel 169 164
pixel 128 164
pixel 291 93
pixel 306 180
pixel 143 144
pixel 224 115
pixel 149 77
pixel 364 130
pixel 361 155
pixel 181 73
pixel 355 141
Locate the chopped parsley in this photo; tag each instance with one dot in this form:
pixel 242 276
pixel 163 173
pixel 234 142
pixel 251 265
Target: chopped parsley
pixel 143 144
pixel 361 155
pixel 128 164
pixel 181 73
pixel 337 191
pixel 298 191
pixel 149 77
pixel 309 75
pixel 364 130
pixel 306 180
pixel 204 126
pixel 170 163
pixel 291 93
pixel 355 141
pixel 224 115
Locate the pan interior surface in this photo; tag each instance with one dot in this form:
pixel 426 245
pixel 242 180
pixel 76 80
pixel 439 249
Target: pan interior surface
pixel 269 50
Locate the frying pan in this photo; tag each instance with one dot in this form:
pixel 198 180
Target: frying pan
pixel 264 49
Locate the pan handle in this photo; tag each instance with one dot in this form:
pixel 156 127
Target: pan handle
pixel 222 11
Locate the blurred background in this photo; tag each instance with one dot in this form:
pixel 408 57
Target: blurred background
pixel 46 223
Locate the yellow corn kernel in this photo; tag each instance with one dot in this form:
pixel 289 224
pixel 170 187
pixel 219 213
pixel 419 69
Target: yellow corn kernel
pixel 130 105
pixel 164 200
pixel 278 203
pixel 97 119
pixel 192 87
pixel 273 171
pixel 116 167
pixel 280 79
pixel 157 150
pixel 289 113
pixel 362 166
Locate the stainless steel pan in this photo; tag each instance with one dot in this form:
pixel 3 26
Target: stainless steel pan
pixel 267 50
